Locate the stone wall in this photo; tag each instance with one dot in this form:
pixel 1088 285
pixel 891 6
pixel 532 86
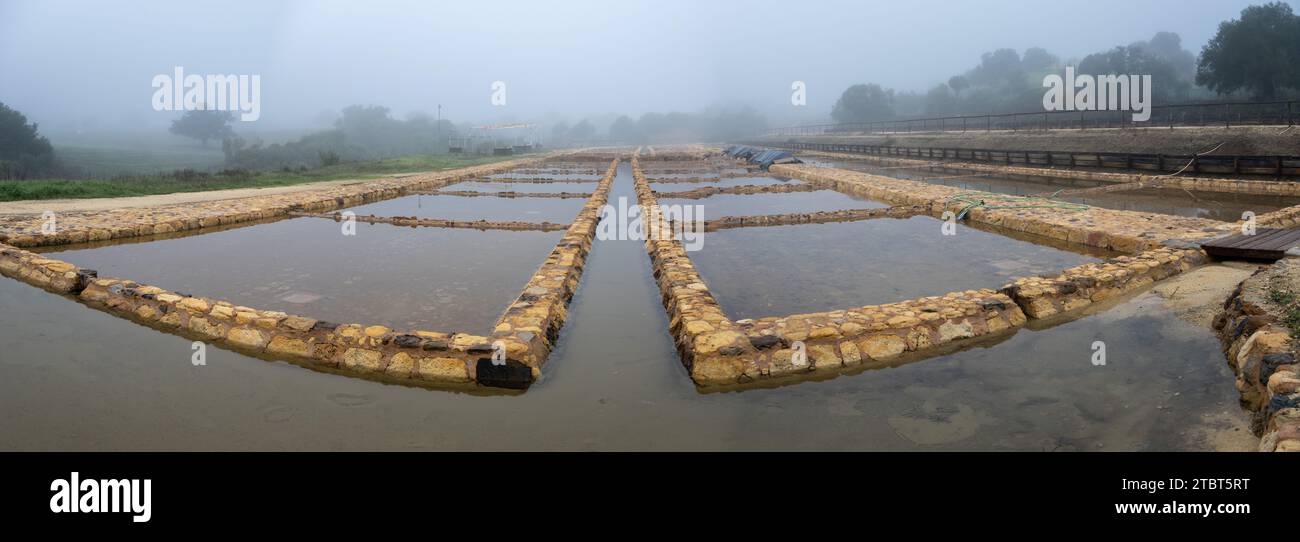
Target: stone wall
pixel 1208 184
pixel 414 221
pixel 1128 232
pixel 530 326
pixel 718 351
pixel 1253 327
pixel 744 189
pixel 1078 287
pixel 816 217
pixel 79 227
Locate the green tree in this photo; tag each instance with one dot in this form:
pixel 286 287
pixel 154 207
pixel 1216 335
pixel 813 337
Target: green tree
pixel 624 131
pixel 958 83
pixel 1166 84
pixel 24 152
pixel 1258 53
pixel 941 101
pixel 582 131
pixel 204 124
pixel 862 103
pixel 560 131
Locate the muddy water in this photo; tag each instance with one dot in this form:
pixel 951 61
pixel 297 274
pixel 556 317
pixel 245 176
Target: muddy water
pixel 76 378
pixel 556 210
pixel 1171 201
pixel 777 271
pixel 405 278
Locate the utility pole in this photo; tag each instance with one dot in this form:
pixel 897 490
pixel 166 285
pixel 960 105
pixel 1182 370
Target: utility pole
pixel 439 125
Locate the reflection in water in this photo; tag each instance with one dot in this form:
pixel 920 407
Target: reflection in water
pixel 778 271
pixel 1224 206
pixel 407 278
pixel 768 204
pixel 723 183
pixel 481 186
pixel 555 210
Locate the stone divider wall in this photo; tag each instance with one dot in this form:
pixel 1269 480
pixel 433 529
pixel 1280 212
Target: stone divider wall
pixel 1208 184
pixel 1078 287
pixel 79 227
pixel 1283 218
pixel 412 221
pixel 744 189
pixel 1129 232
pixel 1262 354
pixel 505 194
pixel 718 351
pixel 530 326
pixel 534 180
pixel 816 217
pixel 375 351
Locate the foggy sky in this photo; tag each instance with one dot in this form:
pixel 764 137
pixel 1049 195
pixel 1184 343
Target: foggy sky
pixel 67 63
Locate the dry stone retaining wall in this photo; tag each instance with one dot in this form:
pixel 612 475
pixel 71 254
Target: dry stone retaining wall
pixel 1262 353
pixel 1129 232
pixel 79 227
pixel 1208 184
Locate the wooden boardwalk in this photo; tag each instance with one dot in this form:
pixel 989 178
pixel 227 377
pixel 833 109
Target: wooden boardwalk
pixel 1266 244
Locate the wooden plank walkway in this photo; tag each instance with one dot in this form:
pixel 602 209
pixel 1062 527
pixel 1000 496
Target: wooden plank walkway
pixel 1266 244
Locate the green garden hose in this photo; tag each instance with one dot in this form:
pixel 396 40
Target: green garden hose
pixel 972 200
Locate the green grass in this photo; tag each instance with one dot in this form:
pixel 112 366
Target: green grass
pixel 145 185
pixel 105 162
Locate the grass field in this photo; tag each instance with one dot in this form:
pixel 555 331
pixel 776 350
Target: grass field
pixel 143 185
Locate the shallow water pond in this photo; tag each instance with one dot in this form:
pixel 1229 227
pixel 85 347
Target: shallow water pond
pixel 1224 206
pixel 723 183
pixel 407 278
pixel 560 211
pixel 559 176
pixel 783 270
pixel 777 203
pixel 505 186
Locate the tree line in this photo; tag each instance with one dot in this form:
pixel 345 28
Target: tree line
pixel 1256 56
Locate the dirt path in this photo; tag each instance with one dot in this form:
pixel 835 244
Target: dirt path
pixel 36 207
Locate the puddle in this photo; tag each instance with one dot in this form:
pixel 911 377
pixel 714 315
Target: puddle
pixel 560 211
pixel 406 278
pixel 784 270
